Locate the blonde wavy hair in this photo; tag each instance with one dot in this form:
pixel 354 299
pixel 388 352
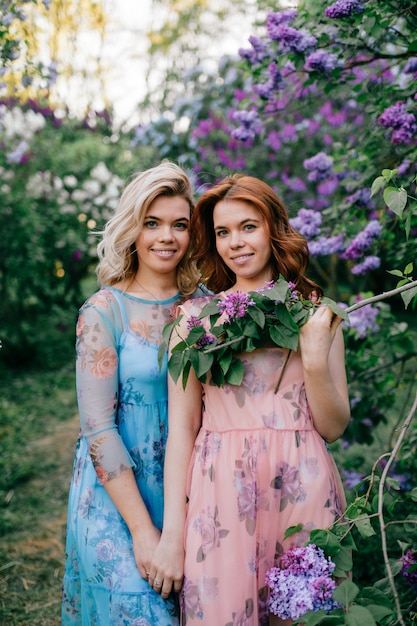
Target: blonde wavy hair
pixel 117 251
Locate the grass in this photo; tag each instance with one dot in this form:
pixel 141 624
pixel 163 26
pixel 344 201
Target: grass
pixel 38 431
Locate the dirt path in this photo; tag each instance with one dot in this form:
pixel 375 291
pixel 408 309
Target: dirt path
pixel 30 584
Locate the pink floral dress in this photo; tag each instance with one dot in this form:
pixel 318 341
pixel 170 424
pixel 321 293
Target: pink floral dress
pixel 258 467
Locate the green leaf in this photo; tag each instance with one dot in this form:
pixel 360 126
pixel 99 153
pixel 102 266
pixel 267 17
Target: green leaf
pixel 408 269
pixel 359 616
pixel 201 362
pixel 395 199
pixel 343 561
pixel 176 363
pixel 337 310
pixel 408 225
pixel 389 174
pixel 346 592
pixel 257 315
pixel 408 295
pixel 379 612
pixel 210 308
pixel 371 595
pixel 162 350
pixel 195 334
pixel 251 329
pixel 413 494
pixel 185 374
pixel 225 360
pixel 412 47
pixel 278 292
pixel 378 184
pixel 395 273
pixel 364 527
pixel 236 372
pixel 326 540
pixel 292 529
pixel 280 337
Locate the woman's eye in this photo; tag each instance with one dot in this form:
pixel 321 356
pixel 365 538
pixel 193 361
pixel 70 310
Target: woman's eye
pixel 250 226
pixel 181 226
pixel 221 233
pixel 150 224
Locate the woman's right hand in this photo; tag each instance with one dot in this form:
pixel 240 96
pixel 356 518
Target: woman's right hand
pixel 167 566
pixel 144 544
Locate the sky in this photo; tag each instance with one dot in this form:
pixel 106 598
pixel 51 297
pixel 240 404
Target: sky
pixel 125 49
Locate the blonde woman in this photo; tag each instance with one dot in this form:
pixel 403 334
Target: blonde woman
pixel 116 498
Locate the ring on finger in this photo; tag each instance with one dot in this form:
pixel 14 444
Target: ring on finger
pixel 156 583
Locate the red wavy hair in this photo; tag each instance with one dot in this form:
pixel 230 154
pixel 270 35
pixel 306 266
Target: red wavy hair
pixel 290 255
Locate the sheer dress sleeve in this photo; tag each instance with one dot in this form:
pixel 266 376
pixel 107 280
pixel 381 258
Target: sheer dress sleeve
pixel 98 328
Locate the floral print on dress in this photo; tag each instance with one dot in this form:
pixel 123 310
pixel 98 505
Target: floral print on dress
pixel 206 452
pixel 208 526
pixel 243 617
pixel 250 498
pixel 288 483
pixel 251 385
pixel 299 403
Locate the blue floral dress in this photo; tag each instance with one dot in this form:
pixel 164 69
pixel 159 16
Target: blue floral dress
pixel 122 398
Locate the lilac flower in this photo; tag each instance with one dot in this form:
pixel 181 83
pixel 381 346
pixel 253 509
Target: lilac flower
pixel 411 67
pixel 322 61
pixel 344 8
pixel 289 38
pixel 363 320
pixel 260 50
pixel 205 340
pixel 352 478
pixel 307 223
pixel 18 154
pixel 363 241
pixel 320 166
pixel 275 81
pixel 235 305
pixel 302 582
pixel 369 263
pixel 409 567
pixel 362 198
pixel 294 183
pixel 403 123
pixel 326 245
pixel 282 17
pixel 250 124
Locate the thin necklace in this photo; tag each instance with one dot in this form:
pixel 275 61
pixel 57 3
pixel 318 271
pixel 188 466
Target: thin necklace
pixel 147 290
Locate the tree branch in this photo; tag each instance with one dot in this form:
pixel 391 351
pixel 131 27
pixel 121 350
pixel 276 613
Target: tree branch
pixel 381 296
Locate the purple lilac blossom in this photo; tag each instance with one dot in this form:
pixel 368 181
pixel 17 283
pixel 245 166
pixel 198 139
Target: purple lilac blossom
pixel 250 124
pixel 282 17
pixel 403 167
pixel 322 61
pixel 289 38
pixel 409 567
pixel 352 478
pixel 320 166
pixel 369 263
pixel 326 245
pixel 363 320
pixel 403 124
pixel 260 50
pixel 275 81
pixel 363 241
pixel 302 582
pixel 294 183
pixel 307 222
pixel 411 67
pixel 18 154
pixel 205 340
pixel 344 8
pixel 235 305
pixel 328 187
pixel 362 198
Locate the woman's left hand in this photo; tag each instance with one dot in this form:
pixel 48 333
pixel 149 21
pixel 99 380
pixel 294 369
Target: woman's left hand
pixel 317 336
